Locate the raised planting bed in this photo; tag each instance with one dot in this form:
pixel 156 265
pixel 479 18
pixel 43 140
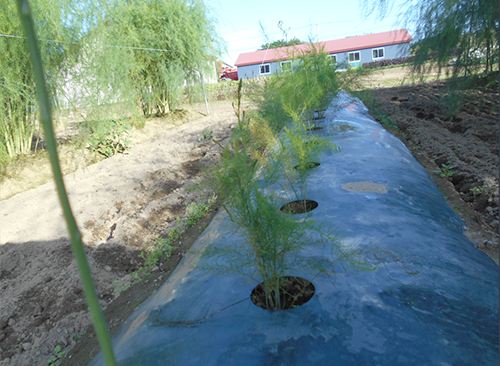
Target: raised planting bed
pixel 433 302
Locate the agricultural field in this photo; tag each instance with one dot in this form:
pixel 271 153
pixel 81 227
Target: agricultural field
pixel 455 137
pixel 154 194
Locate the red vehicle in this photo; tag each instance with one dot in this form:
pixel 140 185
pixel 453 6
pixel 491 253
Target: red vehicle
pixel 228 73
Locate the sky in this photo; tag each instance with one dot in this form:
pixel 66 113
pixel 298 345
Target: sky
pixel 238 22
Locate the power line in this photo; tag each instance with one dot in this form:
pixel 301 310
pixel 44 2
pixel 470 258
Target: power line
pixel 93 44
pixel 235 40
pixel 10 35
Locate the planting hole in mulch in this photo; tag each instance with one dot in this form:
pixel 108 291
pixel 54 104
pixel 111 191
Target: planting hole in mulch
pixel 294 292
pixel 299 207
pixel 308 165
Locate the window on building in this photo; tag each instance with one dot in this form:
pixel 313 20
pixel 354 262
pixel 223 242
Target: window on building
pixel 378 53
pixel 265 69
pixel 354 56
pixel 286 66
pixel 333 57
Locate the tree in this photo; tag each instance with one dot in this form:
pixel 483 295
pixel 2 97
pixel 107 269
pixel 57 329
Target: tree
pixel 107 59
pixel 17 88
pixel 280 43
pixel 466 30
pixel 175 40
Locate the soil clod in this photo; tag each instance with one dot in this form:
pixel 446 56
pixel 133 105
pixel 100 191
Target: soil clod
pixel 293 292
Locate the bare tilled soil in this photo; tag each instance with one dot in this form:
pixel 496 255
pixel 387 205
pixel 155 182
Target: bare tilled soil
pixel 126 201
pixel 456 137
pixel 121 204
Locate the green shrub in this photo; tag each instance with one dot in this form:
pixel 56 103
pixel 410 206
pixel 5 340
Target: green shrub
pixel 109 137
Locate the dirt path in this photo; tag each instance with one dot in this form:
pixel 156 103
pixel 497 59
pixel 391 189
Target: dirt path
pixel 120 204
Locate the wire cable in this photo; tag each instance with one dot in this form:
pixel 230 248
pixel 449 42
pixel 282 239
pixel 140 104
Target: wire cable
pixel 106 45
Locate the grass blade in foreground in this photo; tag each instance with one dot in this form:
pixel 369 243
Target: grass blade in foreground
pixel 76 237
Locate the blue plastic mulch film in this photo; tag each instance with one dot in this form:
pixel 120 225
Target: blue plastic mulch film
pixel 374 191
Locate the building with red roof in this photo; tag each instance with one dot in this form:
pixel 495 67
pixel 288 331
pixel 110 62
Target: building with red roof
pixel 350 51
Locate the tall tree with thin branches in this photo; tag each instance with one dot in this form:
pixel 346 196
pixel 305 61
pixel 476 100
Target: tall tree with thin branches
pixel 463 30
